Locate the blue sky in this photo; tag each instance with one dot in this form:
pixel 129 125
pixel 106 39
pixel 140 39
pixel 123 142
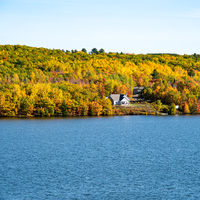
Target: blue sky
pixel 131 26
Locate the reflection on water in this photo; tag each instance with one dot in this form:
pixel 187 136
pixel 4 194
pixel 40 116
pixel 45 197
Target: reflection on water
pixel 129 157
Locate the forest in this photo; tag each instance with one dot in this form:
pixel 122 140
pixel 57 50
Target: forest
pixel 52 82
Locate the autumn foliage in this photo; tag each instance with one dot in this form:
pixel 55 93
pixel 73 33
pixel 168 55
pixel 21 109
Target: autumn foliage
pixel 44 82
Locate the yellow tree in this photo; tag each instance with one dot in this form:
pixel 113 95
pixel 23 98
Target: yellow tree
pixel 186 109
pixel 32 77
pixel 95 109
pixel 106 106
pixel 15 79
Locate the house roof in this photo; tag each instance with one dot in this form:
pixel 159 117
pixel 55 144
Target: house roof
pixel 138 88
pixel 118 97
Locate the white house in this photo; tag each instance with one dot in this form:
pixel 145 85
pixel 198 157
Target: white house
pixel 119 99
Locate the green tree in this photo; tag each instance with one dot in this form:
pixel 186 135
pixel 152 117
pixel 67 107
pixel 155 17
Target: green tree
pixel 64 108
pixel 159 105
pixel 191 73
pixel 94 51
pixel 172 109
pixel 155 74
pixel 84 50
pixel 101 51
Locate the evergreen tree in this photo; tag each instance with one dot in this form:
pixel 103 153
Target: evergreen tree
pixel 155 74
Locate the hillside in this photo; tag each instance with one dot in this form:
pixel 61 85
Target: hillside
pixel 44 82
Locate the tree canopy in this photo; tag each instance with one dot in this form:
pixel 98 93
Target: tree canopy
pixel 45 82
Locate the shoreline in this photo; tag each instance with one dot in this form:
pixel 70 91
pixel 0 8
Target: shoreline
pixel 89 116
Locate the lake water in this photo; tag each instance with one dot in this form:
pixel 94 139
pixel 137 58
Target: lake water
pixel 125 157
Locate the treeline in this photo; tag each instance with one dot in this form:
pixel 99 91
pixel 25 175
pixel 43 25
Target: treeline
pixel 45 82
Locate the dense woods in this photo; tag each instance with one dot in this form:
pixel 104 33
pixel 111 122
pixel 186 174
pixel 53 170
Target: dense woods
pixel 44 82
